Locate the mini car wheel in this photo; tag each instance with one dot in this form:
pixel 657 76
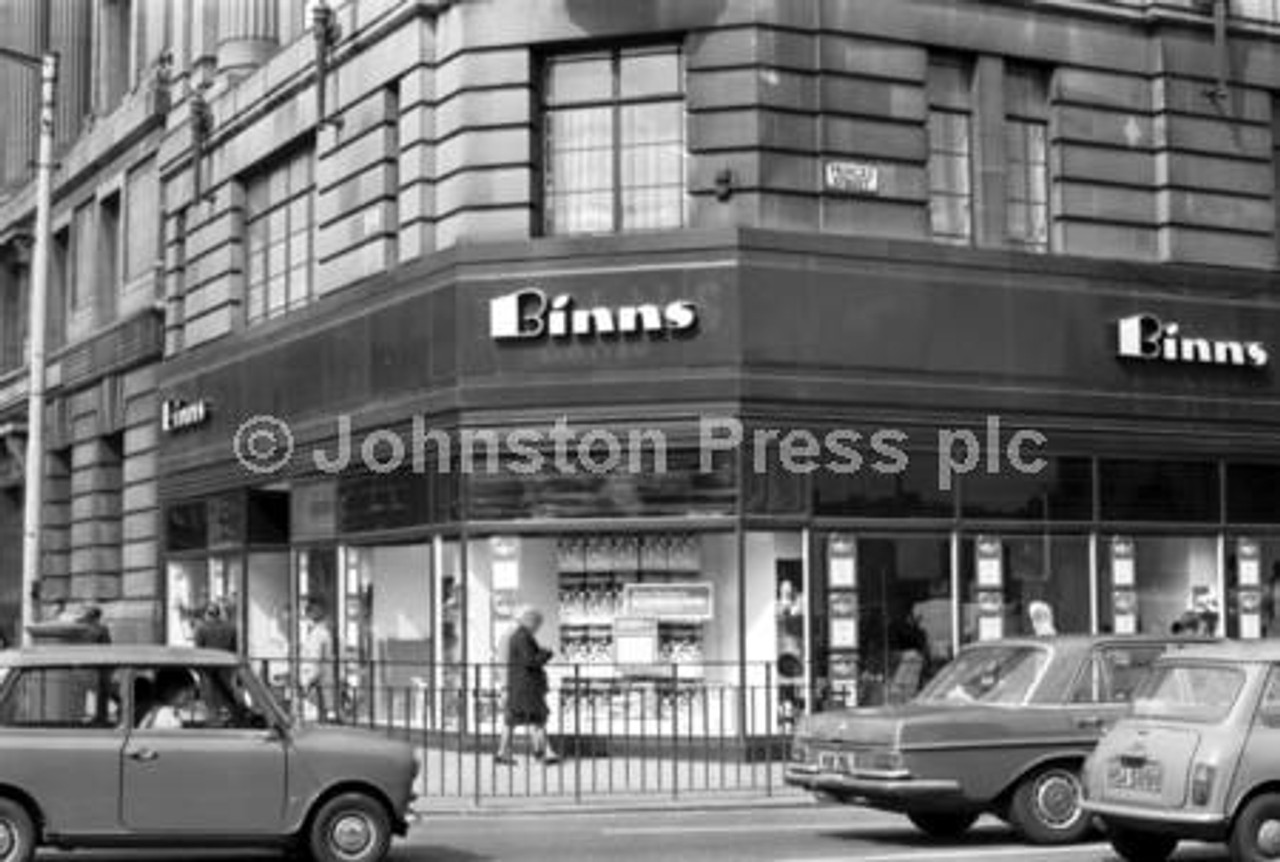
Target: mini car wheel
pixel 17 833
pixel 351 827
pixel 1133 845
pixel 941 824
pixel 1045 807
pixel 1256 833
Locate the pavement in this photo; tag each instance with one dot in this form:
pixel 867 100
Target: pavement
pixel 460 782
pixel 771 833
pixel 615 803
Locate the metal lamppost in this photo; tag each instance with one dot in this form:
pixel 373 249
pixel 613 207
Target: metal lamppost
pixel 33 491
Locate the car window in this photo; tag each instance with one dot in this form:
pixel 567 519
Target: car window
pixel 1188 692
pixel 63 697
pixel 998 673
pixel 1271 694
pixel 1114 671
pixel 182 698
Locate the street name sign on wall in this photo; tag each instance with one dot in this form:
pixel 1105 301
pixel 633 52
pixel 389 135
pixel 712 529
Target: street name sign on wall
pixel 851 178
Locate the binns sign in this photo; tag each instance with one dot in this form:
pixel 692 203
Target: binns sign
pixel 1145 336
pixel 531 314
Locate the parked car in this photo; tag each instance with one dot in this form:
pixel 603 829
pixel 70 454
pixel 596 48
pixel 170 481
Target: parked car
pixel 1199 758
pixel 159 746
pixel 1004 728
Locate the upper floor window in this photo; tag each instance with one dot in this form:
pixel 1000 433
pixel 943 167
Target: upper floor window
pixel 1027 155
pixel 614 141
pixel 950 150
pixel 84 259
pixel 278 227
pixel 116 26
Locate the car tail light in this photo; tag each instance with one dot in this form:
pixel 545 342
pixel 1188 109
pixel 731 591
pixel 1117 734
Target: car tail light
pixel 1202 783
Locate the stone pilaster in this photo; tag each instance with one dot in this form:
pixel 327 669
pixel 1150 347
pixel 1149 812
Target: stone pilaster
pixel 248 33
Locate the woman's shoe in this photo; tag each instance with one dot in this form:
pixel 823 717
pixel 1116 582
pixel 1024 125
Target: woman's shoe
pixel 504 759
pixel 549 759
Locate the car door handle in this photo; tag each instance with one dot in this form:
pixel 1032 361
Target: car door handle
pixel 1091 722
pixel 143 754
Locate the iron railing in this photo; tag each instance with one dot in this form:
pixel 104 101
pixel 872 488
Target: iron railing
pixel 667 729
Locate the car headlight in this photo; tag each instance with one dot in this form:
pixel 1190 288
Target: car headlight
pixel 881 762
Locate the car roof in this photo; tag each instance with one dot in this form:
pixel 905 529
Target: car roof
pixel 1233 651
pixel 114 654
pixel 1081 641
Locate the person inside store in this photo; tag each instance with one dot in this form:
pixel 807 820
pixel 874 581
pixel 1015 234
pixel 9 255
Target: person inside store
pixel 1041 615
pixel 176 701
pixel 215 631
pixel 1200 619
pixel 526 689
pixel 315 655
pixel 95 630
pixel 1271 603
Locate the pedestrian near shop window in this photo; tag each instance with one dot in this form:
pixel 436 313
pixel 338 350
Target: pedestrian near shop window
pixel 526 692
pixel 315 654
pixel 215 631
pixel 95 630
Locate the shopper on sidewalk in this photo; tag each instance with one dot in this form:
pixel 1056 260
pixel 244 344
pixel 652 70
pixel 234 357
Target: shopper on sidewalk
pixel 526 700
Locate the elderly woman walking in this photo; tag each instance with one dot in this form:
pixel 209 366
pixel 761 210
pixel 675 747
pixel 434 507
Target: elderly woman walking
pixel 526 701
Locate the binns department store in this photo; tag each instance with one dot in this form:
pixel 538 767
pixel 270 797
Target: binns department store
pixel 727 460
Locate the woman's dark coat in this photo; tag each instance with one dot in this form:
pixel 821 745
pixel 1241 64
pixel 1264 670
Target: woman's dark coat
pixel 526 679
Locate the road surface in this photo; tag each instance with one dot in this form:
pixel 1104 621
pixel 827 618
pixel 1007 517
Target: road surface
pixel 773 834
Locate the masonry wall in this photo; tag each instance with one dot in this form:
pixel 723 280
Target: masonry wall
pixel 437 135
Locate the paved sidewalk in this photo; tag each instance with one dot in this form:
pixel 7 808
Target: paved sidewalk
pixel 455 781
pixel 534 805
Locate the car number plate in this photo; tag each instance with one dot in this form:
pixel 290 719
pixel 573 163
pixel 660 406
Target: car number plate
pixel 1147 778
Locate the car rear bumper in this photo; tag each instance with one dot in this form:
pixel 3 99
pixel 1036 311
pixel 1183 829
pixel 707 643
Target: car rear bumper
pixel 1198 825
pixel 885 792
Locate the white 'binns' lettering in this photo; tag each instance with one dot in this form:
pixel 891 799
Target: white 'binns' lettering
pixel 1145 336
pixel 529 314
pixel 178 415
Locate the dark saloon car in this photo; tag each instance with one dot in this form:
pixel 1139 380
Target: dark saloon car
pixel 1004 728
pixel 133 746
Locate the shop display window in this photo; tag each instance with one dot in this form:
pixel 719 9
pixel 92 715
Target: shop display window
pixel 1253 493
pixel 684 487
pixel 1151 490
pixel 909 488
pixel 192 585
pixel 1049 568
pixel 643 625
pixel 1147 583
pixel 1062 491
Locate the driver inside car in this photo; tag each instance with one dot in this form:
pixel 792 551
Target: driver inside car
pixel 177 701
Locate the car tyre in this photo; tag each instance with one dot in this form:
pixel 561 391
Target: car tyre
pixel 1045 807
pixel 350 827
pixel 1134 845
pixel 940 824
pixel 17 832
pixel 1256 833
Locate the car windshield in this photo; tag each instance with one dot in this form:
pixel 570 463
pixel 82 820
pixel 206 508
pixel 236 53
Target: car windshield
pixel 1188 692
pixel 997 674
